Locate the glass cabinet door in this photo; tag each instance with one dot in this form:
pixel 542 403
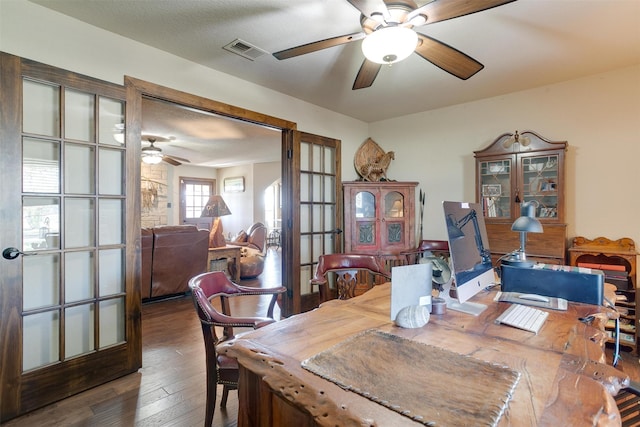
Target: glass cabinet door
pixel 365 212
pixel 539 177
pixel 495 187
pixel 393 218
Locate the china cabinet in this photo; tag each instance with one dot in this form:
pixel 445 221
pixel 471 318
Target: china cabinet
pixel 518 168
pixel 379 217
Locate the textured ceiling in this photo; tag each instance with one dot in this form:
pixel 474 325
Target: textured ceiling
pixel 524 44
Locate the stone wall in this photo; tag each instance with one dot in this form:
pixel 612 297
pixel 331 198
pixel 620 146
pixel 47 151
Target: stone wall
pixel 154 191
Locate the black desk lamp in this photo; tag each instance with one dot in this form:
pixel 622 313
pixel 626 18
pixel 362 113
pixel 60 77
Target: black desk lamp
pixel 527 223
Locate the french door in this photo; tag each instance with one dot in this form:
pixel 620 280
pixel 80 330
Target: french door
pixel 314 202
pixel 69 310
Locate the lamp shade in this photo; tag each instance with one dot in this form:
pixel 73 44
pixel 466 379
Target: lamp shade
pixel 390 44
pixel 215 207
pixel 527 221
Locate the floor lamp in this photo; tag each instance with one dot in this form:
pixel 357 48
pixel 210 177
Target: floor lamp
pixel 215 208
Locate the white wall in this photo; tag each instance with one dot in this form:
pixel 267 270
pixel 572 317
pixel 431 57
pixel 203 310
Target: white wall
pixel 37 33
pixel 599 117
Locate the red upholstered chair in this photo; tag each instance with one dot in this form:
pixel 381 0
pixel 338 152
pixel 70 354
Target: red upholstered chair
pixel 346 267
pixel 221 369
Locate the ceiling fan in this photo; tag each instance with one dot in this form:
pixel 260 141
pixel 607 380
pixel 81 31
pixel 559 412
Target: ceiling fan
pixel 153 155
pixel 389 36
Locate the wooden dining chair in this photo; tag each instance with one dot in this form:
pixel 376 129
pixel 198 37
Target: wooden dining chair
pixel 346 268
pixel 215 286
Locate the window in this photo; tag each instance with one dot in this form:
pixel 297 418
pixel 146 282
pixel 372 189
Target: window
pixel 194 193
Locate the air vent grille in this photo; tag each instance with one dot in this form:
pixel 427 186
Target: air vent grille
pixel 244 49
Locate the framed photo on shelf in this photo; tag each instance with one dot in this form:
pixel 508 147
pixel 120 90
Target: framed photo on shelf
pixel 491 190
pixel 234 185
pixel 548 185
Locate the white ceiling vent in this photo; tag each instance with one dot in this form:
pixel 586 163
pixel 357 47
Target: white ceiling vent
pixel 244 49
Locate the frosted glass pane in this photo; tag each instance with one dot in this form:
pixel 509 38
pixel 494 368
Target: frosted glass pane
pixel 112 322
pixel 111 276
pixel 305 219
pixel 330 189
pixel 305 249
pixel 110 177
pixel 329 243
pixel 79 222
pixel 110 222
pixel 79 115
pixel 305 277
pixel 329 217
pixel 329 160
pixel 304 188
pixel 317 217
pixel 40 339
pixel 317 157
pixel 79 170
pixel 40 109
pixel 40 166
pixel 78 276
pixel 40 281
pixel 40 223
pixel 78 330
pixel 111 122
pixel 317 188
pixel 304 156
pixel 318 249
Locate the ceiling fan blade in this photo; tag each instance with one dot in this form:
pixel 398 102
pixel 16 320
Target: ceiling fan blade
pixel 171 161
pixel 319 45
pixel 179 159
pixel 367 74
pixel 441 10
pixel 371 7
pixel 447 58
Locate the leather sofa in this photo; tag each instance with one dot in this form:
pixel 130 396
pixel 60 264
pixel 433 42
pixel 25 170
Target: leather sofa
pixel 171 255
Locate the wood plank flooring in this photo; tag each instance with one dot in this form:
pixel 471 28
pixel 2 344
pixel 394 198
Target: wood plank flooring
pixel 170 388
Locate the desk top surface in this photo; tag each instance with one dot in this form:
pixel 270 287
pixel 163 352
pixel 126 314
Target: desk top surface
pixel 564 379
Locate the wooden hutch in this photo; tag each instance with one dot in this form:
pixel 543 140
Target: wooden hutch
pixel 518 168
pixel 379 218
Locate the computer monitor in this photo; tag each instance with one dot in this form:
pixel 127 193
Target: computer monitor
pixel 470 257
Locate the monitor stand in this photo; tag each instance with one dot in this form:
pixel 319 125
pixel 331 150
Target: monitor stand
pixel 473 308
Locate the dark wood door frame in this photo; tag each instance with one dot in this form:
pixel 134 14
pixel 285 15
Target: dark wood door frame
pixel 137 89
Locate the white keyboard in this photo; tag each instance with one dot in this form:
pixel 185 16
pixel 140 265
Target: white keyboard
pixel 523 317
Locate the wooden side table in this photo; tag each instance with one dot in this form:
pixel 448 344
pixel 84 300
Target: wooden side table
pixel 226 252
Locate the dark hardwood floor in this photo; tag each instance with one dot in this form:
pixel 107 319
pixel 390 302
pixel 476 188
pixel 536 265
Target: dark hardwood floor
pixel 169 390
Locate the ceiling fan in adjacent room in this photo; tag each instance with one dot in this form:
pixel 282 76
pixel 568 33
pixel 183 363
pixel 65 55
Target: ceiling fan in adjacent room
pixel 389 36
pixel 153 155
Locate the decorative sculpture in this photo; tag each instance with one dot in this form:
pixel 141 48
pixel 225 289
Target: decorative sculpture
pixel 371 162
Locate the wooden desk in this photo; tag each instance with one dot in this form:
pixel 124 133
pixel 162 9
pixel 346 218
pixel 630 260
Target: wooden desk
pixel 226 252
pixel 564 379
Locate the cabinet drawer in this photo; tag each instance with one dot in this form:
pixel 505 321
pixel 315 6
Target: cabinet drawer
pixel 550 243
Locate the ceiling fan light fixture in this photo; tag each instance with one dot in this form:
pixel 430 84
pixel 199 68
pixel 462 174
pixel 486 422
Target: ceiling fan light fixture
pixel 389 45
pixel 151 155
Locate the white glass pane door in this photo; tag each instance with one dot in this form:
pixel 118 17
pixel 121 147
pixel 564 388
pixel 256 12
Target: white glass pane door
pixel 319 209
pixel 73 210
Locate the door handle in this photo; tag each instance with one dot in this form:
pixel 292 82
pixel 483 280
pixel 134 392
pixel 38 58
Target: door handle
pixel 13 253
pixel 337 231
